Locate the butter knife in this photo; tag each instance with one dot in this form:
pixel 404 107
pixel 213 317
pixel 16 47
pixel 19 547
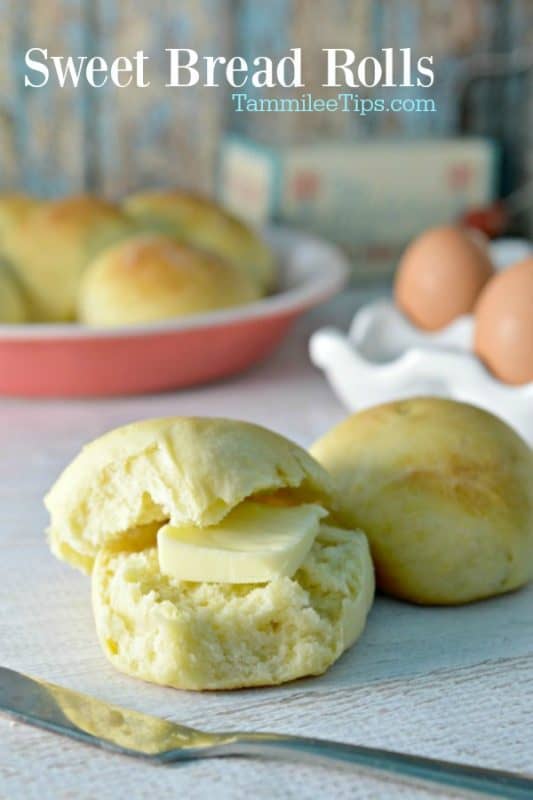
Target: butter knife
pixel 131 733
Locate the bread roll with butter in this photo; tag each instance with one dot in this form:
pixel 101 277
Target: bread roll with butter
pixel 50 244
pixel 444 492
pixel 202 485
pixel 150 277
pixel 195 220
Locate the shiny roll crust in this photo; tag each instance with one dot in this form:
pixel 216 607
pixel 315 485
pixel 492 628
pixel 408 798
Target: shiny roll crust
pixel 197 221
pixel 150 277
pixel 444 492
pixel 50 244
pixel 106 509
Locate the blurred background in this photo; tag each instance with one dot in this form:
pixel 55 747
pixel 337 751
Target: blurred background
pixel 55 141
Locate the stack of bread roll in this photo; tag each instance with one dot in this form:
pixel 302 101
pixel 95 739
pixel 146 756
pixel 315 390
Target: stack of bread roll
pixel 158 255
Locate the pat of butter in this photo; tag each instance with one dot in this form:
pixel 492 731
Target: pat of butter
pixel 254 543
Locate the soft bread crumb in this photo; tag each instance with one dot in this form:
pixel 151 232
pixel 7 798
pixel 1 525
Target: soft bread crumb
pixel 224 636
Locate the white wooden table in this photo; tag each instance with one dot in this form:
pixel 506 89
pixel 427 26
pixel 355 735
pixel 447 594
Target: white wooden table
pixel 448 683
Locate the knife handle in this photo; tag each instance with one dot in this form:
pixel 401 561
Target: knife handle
pixel 495 783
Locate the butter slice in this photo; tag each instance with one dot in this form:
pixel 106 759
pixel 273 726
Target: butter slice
pixel 254 543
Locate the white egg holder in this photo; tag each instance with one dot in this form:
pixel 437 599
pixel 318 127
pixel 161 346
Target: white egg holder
pixel 384 357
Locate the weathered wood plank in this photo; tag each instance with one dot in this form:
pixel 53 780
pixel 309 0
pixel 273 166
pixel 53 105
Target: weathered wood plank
pixel 10 156
pixel 160 135
pixel 56 140
pixel 271 30
pixel 449 31
pixel 46 125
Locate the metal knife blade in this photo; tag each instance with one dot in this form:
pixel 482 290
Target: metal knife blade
pixel 132 733
pixel 54 708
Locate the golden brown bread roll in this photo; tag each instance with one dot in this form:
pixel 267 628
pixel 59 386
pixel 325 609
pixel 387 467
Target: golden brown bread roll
pixel 444 492
pixel 151 277
pixel 13 302
pixel 51 243
pixel 197 221
pixel 14 207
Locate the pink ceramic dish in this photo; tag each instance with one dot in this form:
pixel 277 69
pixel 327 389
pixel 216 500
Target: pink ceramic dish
pixel 71 360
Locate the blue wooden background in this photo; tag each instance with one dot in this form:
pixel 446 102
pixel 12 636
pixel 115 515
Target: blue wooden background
pixel 55 140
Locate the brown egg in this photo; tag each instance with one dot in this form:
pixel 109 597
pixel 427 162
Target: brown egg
pixel 441 275
pixel 503 336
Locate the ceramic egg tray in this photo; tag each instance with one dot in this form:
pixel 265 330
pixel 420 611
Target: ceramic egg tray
pixel 383 357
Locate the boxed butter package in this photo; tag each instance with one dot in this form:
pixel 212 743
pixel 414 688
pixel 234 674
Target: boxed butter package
pixel 369 197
